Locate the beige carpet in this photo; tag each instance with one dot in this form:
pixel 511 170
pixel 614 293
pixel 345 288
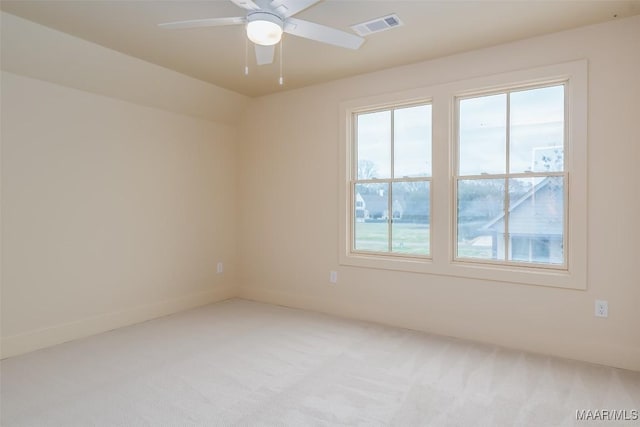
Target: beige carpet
pixel 249 364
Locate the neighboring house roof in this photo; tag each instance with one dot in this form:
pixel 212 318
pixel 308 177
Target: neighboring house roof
pixel 375 203
pixel 536 212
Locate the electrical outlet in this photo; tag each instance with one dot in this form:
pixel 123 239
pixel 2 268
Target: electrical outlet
pixel 602 308
pixel 333 276
pixel 219 268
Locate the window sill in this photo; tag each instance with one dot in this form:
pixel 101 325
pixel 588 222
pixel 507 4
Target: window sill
pixel 555 278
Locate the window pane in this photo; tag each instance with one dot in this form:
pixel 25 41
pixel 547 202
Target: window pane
pixel 371 207
pixel 412 141
pixel 536 220
pixel 410 231
pixel 537 130
pixel 520 248
pixel 482 133
pixel 374 145
pixel 481 219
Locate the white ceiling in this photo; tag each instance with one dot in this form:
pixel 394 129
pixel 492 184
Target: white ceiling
pixel 216 55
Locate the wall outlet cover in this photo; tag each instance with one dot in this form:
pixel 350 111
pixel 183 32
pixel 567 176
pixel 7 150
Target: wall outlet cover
pixel 602 308
pixel 333 276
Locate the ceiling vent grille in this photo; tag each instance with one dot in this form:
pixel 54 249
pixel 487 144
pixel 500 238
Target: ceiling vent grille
pixel 376 25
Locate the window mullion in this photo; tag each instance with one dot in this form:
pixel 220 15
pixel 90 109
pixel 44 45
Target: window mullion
pixel 352 215
pixel 390 188
pixel 353 179
pixel 506 179
pixel 506 219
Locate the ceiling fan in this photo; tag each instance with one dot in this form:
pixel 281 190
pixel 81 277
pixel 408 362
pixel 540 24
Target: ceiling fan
pixel 266 20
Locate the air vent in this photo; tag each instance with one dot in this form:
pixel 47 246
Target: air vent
pixel 376 25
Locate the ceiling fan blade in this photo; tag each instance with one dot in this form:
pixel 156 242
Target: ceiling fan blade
pixel 264 54
pixel 246 4
pixel 322 33
pixel 287 8
pixel 198 23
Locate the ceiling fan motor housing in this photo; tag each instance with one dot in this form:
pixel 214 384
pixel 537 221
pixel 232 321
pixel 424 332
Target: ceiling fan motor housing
pixel 264 28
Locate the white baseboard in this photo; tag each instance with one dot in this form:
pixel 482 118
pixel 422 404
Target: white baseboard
pixel 46 337
pixel 624 358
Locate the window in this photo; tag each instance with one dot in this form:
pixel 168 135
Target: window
pixel 510 180
pixel 482 178
pixel 391 186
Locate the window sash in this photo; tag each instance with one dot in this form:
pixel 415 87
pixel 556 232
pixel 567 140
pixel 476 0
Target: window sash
pixel 507 176
pixel 390 218
pixel 354 181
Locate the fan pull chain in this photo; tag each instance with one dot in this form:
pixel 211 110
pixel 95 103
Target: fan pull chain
pixel 281 80
pixel 246 56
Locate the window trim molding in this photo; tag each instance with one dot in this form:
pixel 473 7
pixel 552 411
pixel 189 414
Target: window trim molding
pixel 443 101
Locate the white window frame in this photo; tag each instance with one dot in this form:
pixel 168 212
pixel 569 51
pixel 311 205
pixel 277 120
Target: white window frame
pixel 443 98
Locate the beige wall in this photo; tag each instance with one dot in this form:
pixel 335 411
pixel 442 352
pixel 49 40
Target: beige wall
pixel 288 226
pixel 32 50
pixel 113 212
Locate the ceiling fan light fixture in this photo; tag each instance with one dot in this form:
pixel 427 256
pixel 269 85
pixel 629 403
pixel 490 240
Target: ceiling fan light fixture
pixel 264 28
